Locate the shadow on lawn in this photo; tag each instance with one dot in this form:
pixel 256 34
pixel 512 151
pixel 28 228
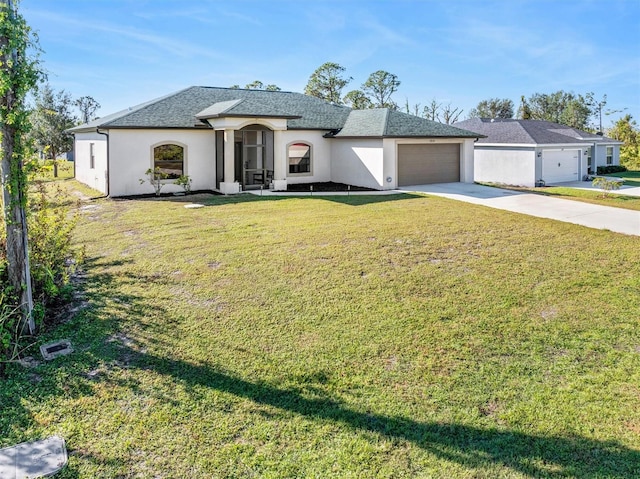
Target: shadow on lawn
pixel 94 342
pixel 209 199
pixel 547 456
pixel 473 447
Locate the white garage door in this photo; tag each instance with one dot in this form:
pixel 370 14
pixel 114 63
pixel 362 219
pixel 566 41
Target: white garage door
pixel 424 164
pixel 560 165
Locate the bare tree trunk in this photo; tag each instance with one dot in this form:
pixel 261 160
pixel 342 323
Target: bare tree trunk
pixel 12 191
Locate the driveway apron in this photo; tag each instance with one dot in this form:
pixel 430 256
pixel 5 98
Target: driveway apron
pixel 592 216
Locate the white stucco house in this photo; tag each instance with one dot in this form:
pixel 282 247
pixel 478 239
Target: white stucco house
pixel 530 152
pixel 230 140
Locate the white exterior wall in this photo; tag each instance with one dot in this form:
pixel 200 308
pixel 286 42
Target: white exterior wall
pixel 320 154
pixel 131 154
pixel 374 163
pixel 504 165
pixel 358 162
pixel 95 177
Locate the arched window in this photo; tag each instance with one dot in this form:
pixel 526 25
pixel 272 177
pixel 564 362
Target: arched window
pixel 299 158
pixel 169 159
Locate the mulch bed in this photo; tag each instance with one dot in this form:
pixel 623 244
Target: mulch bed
pixel 327 186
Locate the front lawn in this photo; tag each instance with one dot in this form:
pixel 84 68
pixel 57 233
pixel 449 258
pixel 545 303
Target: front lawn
pixel 631 178
pixel 347 337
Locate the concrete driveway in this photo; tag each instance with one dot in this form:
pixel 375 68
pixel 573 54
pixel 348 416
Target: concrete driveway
pixel 569 211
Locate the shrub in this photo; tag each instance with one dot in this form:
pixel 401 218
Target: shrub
pixel 52 258
pixel 605 170
pixel 51 252
pixel 185 182
pixel 607 184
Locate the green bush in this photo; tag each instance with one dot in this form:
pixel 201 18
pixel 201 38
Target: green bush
pixel 605 170
pixel 52 258
pixel 51 252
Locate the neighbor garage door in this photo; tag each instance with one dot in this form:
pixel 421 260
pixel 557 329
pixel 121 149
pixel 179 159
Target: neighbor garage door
pixel 422 164
pixel 560 165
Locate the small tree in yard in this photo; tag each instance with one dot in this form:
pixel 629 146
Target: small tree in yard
pixel 607 185
pixel 156 179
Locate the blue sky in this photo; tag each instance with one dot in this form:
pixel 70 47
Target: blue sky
pixel 124 52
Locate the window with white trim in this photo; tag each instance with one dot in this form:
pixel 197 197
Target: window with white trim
pixel 169 158
pixel 609 155
pixel 299 155
pixel 92 155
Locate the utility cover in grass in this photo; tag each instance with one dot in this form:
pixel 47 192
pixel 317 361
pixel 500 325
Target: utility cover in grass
pixel 33 459
pixel 52 350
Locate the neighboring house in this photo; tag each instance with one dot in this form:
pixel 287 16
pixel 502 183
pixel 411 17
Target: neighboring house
pixel 231 140
pixel 528 152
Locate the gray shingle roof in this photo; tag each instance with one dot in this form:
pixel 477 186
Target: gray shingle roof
pixel 189 108
pixel 180 110
pixel 383 122
pixel 364 123
pixel 529 132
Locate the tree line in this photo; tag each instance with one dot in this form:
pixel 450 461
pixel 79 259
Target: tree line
pixel 584 112
pixel 54 112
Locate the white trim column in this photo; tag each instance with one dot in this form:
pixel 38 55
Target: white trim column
pixel 229 186
pixel 280 162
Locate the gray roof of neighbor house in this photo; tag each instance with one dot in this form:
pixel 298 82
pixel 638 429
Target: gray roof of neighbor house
pixel 529 132
pixel 384 122
pixel 189 108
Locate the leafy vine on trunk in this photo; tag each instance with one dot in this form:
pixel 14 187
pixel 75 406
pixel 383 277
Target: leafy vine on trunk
pixel 19 74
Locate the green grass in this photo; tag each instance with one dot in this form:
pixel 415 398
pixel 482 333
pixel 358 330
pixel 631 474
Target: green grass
pixel 632 178
pixel 65 170
pixel 398 336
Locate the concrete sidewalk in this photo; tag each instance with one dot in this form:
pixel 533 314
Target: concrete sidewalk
pixel 592 216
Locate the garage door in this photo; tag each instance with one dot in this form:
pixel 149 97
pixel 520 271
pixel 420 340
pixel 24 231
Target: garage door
pixel 423 164
pixel 560 165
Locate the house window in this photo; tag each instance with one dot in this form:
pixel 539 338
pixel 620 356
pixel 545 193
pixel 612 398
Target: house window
pixel 609 155
pixel 299 158
pixel 92 155
pixel 170 160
